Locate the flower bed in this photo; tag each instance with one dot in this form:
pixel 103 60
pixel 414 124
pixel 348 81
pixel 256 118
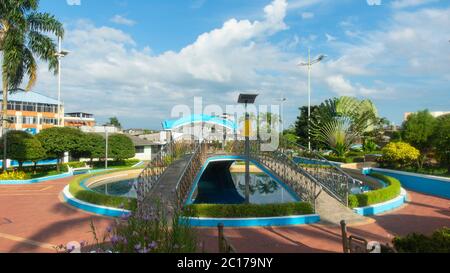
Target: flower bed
pixel 378 196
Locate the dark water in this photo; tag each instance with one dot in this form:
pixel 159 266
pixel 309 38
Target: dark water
pixel 121 188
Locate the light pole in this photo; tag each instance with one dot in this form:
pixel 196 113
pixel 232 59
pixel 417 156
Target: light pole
pixel 106 144
pixel 247 99
pixel 309 64
pixel 282 100
pixel 5 142
pixel 60 54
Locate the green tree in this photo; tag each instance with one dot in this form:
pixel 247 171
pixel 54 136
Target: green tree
pixel 120 147
pixel 340 122
pixel 23 147
pixel 91 145
pixel 115 122
pixel 58 140
pixel 441 140
pixel 301 127
pixel 399 154
pixel 418 130
pixel 23 36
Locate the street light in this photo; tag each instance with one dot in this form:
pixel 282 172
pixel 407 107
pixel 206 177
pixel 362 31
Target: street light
pixel 282 100
pixel 60 54
pixel 247 99
pixel 309 65
pixel 105 126
pixel 6 120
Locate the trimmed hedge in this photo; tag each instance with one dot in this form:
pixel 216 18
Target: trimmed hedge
pixel 439 242
pixel 95 198
pixel 248 210
pixel 379 196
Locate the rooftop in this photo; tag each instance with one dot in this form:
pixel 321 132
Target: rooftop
pixel 173 124
pixel 30 96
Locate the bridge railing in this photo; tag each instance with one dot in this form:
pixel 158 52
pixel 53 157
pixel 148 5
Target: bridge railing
pixel 158 165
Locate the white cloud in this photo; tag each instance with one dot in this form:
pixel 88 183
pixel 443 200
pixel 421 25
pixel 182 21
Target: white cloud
pixel 121 20
pixel 340 85
pixel 330 38
pixel 374 2
pixel 73 2
pixel 399 4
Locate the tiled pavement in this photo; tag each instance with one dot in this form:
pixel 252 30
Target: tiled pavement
pixel 32 219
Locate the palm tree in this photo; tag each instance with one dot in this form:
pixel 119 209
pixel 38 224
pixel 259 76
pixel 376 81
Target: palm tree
pixel 341 121
pixel 23 36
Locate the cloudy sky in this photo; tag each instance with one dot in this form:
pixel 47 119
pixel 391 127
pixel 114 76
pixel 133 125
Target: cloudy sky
pixel 136 59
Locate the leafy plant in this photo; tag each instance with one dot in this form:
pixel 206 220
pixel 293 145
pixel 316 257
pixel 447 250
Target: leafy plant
pixel 441 141
pixel 438 242
pixel 23 147
pixel 399 154
pixel 120 147
pixel 378 196
pixel 13 175
pixel 369 145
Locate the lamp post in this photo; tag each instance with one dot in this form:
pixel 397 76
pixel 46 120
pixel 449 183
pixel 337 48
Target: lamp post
pixel 247 99
pixel 106 144
pixel 6 121
pixel 282 100
pixel 60 54
pixel 309 64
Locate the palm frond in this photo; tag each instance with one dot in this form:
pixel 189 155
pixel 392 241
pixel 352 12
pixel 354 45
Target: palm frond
pixel 45 22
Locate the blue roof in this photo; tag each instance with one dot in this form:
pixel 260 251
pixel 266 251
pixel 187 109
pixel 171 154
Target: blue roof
pixel 173 124
pixel 30 96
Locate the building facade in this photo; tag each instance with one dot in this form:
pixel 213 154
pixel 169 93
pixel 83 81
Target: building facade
pixel 32 111
pixel 79 119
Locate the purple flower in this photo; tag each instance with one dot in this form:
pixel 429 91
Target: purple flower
pixel 115 239
pixel 137 247
pixel 125 217
pixel 109 229
pixel 153 245
pixel 144 250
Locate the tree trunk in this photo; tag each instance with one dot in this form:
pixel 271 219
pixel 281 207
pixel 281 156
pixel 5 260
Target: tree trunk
pixel 20 165
pixel 58 162
pixel 4 114
pixel 34 167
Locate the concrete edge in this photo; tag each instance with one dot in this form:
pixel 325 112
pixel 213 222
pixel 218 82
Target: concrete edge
pixel 253 222
pixel 385 206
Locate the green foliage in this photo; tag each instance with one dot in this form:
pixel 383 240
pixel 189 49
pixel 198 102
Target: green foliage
pixel 248 210
pixel 438 242
pixel 418 130
pixel 339 122
pixel 23 147
pixel 120 147
pixel 13 175
pixel 117 164
pixel 115 122
pixel 369 145
pixel 399 154
pixel 92 197
pixel 378 196
pixel 58 140
pixel 301 127
pixel 91 145
pixel 441 141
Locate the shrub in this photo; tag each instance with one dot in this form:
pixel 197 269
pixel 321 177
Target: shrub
pixel 399 154
pixel 13 175
pixel 92 197
pixel 379 196
pixel 438 242
pixel 248 210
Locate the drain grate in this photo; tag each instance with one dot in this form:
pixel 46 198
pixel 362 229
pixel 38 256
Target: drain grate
pixel 5 221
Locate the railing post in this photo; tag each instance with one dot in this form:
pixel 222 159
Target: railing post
pixel 344 236
pixel 221 238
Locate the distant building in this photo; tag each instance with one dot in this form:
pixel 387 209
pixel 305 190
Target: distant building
pixel 32 112
pixel 434 114
pixel 79 119
pixel 145 149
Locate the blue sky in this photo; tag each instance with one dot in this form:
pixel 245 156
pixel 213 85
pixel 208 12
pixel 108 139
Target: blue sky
pixel 136 59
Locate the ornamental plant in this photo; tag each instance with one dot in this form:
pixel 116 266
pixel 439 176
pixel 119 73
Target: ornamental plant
pixel 13 175
pixel 399 154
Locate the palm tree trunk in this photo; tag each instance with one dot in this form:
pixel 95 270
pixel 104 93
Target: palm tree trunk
pixel 4 115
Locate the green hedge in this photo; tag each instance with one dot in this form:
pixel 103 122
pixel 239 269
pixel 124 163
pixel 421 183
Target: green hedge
pixel 439 242
pixel 248 210
pixel 92 197
pixel 379 196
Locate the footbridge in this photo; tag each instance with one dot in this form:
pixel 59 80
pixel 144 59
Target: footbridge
pixel 170 177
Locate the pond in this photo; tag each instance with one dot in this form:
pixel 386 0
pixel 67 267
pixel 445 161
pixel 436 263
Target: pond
pixel 122 188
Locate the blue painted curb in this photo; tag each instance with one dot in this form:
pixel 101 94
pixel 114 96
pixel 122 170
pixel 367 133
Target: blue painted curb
pixel 253 222
pixel 383 207
pixel 96 209
pixel 36 180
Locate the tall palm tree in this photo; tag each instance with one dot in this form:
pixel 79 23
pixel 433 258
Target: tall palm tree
pixel 23 36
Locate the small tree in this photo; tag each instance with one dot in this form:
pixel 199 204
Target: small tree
pixel 399 154
pixel 91 146
pixel 120 147
pixel 23 147
pixel 418 130
pixel 57 140
pixel 441 141
pixel 115 121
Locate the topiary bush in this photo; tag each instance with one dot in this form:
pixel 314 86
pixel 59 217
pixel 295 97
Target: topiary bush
pixel 379 196
pixel 438 242
pixel 399 154
pixel 248 210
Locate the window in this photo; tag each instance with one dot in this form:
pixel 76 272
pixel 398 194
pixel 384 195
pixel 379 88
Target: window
pixel 29 120
pixel 140 149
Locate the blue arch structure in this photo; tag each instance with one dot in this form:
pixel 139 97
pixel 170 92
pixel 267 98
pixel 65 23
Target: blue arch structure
pixel 177 123
pixel 236 158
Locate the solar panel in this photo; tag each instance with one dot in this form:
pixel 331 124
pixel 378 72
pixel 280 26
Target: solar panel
pixel 247 98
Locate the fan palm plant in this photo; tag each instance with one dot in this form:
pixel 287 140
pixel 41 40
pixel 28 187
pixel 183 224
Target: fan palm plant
pixel 23 36
pixel 341 121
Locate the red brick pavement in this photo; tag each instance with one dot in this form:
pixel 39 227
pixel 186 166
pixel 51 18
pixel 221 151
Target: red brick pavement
pixel 32 218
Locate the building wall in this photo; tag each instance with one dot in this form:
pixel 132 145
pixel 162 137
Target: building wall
pixel 33 120
pixel 146 155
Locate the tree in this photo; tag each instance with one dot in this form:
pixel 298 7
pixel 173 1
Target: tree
pixel 23 35
pixel 301 127
pixel 441 140
pixel 399 154
pixel 340 122
pixel 23 147
pixel 91 145
pixel 418 130
pixel 115 122
pixel 58 140
pixel 120 147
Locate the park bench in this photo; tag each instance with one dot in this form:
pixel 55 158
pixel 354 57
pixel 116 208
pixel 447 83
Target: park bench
pixel 80 170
